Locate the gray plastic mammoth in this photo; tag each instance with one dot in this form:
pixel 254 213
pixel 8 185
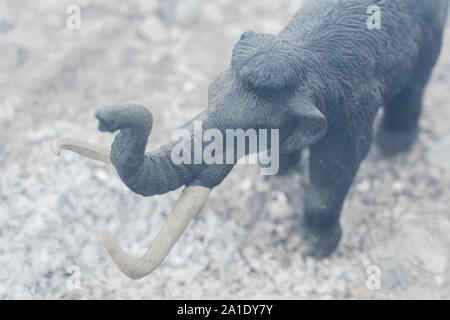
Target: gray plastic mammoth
pixel 321 82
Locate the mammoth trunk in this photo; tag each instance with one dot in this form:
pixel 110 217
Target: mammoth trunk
pixel 157 172
pixel 145 174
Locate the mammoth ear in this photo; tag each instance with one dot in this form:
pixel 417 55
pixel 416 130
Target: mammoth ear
pixel 310 125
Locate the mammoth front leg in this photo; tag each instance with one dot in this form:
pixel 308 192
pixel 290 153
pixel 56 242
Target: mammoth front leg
pixel 333 164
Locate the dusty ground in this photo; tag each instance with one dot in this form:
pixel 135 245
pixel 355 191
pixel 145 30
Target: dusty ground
pixel 243 244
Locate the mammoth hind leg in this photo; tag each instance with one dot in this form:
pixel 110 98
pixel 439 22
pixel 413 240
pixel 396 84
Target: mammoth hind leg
pixel 399 128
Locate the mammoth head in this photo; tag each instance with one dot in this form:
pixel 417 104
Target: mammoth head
pixel 275 70
pixel 269 65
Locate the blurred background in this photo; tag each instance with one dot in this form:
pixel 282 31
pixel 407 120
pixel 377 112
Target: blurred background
pixel 243 244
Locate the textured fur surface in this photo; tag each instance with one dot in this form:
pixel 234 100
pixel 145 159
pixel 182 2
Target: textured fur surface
pixel 321 82
pixel 268 64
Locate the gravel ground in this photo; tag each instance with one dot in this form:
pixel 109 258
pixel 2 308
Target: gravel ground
pixel 243 244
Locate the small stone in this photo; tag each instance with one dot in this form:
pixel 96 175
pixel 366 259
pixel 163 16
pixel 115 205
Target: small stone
pixel 294 242
pixel 184 13
pixel 188 86
pixel 434 262
pixel 101 175
pixel 279 207
pixel 7 111
pixel 212 12
pixel 398 186
pixel 154 29
pixel 363 187
pixel 440 153
pixel 439 280
pixel 246 185
pixel 10 57
pixel 41 134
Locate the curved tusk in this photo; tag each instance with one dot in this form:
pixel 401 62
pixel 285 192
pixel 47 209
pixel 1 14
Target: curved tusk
pixel 187 206
pixel 86 149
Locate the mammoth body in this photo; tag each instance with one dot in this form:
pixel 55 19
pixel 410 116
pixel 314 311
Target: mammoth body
pixel 321 82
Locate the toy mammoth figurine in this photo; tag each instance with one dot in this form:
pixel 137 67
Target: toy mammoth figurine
pixel 320 82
